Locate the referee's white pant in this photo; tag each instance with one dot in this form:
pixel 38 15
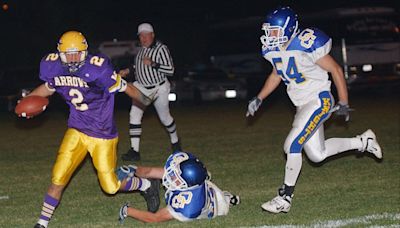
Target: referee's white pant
pixel 159 96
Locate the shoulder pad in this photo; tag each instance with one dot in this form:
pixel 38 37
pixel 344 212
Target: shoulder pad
pixel 188 203
pixel 98 61
pixel 308 40
pixel 49 65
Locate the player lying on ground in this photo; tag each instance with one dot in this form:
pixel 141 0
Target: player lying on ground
pixel 301 60
pixel 189 192
pixel 88 84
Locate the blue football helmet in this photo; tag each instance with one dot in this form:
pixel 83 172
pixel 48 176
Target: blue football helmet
pixel 184 173
pixel 279 27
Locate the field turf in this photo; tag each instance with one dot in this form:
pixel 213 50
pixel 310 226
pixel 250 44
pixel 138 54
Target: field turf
pixel 244 157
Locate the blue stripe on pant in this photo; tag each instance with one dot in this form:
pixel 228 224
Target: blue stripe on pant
pixel 316 119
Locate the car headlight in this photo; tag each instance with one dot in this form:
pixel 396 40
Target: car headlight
pixel 230 93
pixel 367 67
pixel 172 97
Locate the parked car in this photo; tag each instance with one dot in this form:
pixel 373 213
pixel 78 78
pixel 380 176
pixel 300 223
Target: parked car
pixel 366 42
pixel 116 48
pixel 204 82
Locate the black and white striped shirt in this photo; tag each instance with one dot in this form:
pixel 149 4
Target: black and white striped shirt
pixel 162 67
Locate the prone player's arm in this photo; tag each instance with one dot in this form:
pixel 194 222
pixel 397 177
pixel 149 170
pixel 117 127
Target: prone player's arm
pixel 270 85
pixel 161 215
pixel 149 172
pixel 43 90
pixel 329 64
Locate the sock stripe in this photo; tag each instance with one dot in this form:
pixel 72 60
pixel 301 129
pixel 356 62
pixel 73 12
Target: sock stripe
pixel 128 185
pixel 170 125
pixel 47 215
pixel 47 210
pixel 50 207
pixel 132 126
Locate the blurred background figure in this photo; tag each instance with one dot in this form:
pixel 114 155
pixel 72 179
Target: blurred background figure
pixel 153 64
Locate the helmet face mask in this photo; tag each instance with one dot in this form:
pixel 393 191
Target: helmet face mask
pixel 280 26
pixel 274 36
pixel 184 174
pixel 172 179
pixel 74 60
pixel 72 48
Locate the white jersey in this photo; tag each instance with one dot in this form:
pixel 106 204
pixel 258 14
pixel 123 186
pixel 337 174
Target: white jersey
pixel 297 68
pixel 206 201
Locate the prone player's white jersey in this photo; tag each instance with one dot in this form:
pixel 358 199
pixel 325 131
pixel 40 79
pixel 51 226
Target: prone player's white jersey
pixel 297 68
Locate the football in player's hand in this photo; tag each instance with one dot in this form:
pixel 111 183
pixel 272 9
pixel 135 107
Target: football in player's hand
pixel 31 106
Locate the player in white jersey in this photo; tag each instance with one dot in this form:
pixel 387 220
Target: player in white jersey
pixel 189 193
pixel 301 59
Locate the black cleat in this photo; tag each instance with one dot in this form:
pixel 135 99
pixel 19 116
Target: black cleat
pixel 131 155
pixel 152 195
pixel 38 226
pixel 176 146
pixel 235 200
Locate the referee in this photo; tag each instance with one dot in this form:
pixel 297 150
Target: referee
pixel 153 64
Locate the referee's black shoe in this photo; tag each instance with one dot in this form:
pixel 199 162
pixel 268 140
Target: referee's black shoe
pixel 176 146
pixel 152 195
pixel 131 155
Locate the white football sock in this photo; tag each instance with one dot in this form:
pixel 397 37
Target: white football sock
pixel 292 169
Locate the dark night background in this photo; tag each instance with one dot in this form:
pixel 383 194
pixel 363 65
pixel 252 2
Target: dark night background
pixel 30 29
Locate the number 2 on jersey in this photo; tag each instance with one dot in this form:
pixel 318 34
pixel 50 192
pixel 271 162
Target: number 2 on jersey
pixel 291 70
pixel 77 100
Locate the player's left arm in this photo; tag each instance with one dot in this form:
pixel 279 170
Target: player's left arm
pixel 329 64
pixel 113 82
pixel 43 90
pixel 161 215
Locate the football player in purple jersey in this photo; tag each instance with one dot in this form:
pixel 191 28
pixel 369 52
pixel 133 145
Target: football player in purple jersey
pixel 88 85
pixel 190 194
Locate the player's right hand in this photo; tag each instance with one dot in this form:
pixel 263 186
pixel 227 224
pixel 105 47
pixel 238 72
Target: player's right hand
pixel 124 72
pixel 342 109
pixel 254 105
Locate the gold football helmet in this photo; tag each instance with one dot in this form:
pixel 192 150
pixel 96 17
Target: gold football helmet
pixel 72 48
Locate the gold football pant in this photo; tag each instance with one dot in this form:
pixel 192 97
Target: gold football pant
pixel 73 150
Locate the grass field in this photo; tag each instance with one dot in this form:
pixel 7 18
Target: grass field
pixel 245 157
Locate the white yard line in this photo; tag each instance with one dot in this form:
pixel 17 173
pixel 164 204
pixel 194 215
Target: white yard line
pixel 4 197
pixel 363 220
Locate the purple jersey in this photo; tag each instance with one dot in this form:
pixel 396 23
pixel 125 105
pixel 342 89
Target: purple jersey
pixel 89 92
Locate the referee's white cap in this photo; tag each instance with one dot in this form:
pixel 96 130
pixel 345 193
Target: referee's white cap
pixel 145 27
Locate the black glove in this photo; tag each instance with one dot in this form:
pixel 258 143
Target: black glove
pixel 342 110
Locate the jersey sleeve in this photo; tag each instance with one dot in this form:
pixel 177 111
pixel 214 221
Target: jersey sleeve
pixel 47 69
pixel 322 45
pixel 107 78
pixel 164 58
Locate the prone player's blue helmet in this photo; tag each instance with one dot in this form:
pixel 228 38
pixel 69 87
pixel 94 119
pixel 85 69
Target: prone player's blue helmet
pixel 279 26
pixel 183 171
pixel 193 172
